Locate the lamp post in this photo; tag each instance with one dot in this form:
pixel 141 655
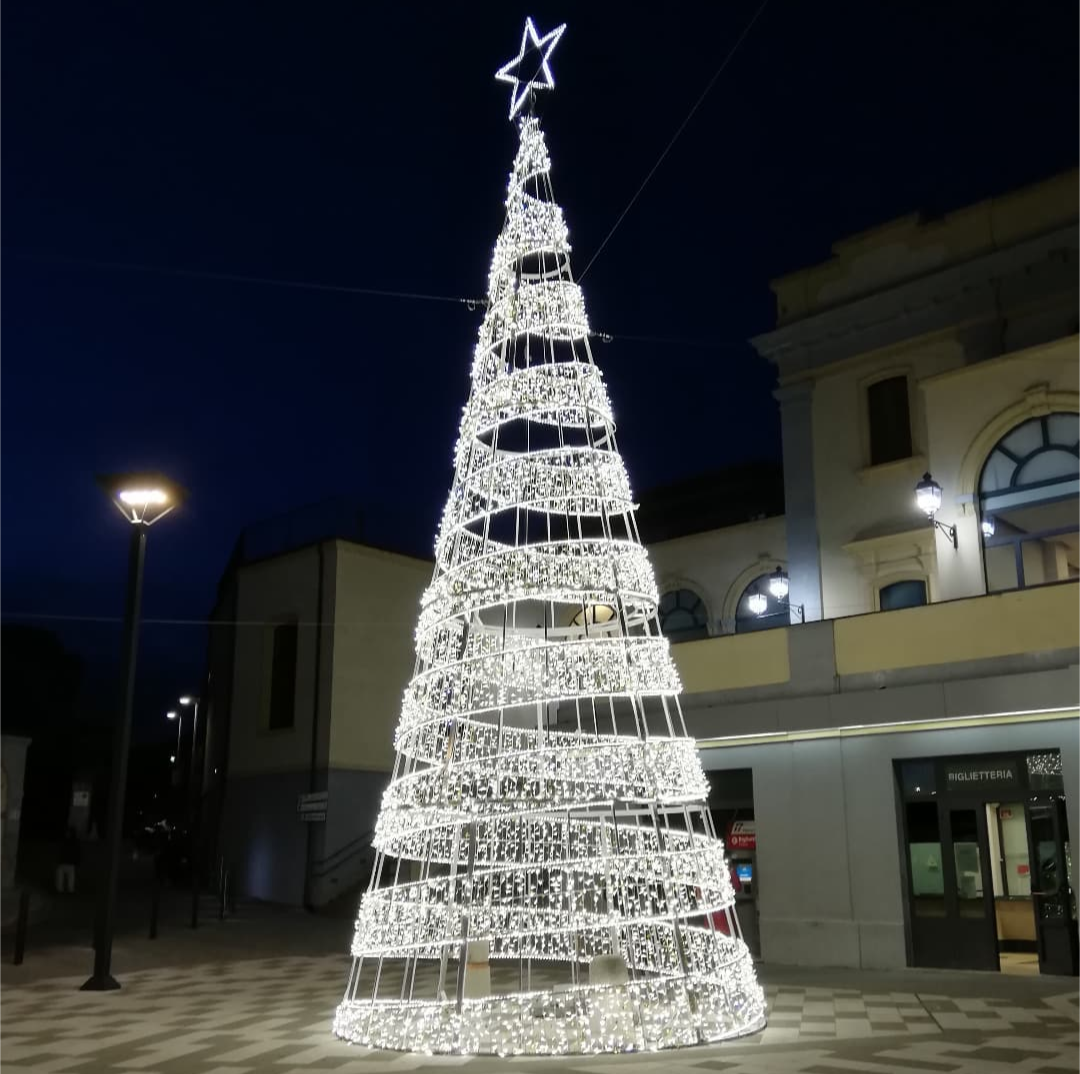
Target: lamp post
pixel 172 714
pixel 193 808
pixel 142 499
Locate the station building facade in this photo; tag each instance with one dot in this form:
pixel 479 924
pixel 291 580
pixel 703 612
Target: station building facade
pixel 901 728
pixel 893 742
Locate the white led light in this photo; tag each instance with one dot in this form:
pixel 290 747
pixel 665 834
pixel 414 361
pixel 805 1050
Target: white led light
pixel 778 583
pixel 521 87
pixel 142 497
pixel 757 603
pixel 547 803
pixel 928 495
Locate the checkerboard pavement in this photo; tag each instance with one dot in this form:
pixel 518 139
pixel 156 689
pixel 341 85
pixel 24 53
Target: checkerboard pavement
pixel 273 1014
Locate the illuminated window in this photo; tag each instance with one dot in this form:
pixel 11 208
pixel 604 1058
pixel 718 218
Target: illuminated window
pixel 594 613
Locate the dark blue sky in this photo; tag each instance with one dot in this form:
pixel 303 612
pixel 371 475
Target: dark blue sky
pixel 367 145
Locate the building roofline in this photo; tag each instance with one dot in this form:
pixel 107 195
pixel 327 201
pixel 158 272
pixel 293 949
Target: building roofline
pixel 992 224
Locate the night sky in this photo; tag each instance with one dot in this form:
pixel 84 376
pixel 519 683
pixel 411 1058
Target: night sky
pixel 367 145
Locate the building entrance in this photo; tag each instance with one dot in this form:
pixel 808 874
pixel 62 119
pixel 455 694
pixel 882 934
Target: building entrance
pixel 731 802
pixel 987 863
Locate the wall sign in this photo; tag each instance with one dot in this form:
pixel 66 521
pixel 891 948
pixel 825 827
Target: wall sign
pixel 991 773
pixel 741 835
pixel 312 807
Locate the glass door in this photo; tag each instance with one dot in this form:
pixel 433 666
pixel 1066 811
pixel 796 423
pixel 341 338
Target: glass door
pixel 1051 887
pixel 975 929
pixel 951 888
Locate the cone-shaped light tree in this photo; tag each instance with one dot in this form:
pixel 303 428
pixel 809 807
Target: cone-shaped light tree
pixel 547 876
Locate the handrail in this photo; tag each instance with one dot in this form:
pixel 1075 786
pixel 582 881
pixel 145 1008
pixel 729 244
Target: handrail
pixel 344 853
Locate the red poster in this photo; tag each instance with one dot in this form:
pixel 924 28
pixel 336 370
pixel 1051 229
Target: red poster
pixel 741 835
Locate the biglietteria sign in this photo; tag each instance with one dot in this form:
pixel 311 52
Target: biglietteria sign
pixel 974 775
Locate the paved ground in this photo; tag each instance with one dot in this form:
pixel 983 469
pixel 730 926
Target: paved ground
pixel 257 994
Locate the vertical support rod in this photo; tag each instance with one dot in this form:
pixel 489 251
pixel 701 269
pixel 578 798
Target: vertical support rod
pixel 194 818
pixel 102 979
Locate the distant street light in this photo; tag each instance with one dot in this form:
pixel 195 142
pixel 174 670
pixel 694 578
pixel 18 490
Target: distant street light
pixel 172 714
pixel 143 499
pixel 194 809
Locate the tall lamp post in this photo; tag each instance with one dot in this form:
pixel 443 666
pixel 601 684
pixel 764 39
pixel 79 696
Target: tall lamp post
pixel 194 808
pixel 143 499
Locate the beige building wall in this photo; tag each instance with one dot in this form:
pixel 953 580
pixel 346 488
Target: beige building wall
pixel 377 602
pixel 719 564
pixel 870 530
pixel 271 592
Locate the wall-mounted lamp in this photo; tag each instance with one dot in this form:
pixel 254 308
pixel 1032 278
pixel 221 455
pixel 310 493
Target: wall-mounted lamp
pixel 987 526
pixel 779 587
pixel 928 498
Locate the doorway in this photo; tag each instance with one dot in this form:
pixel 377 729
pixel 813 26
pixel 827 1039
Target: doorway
pixel 1010 870
pixel 987 864
pixel 731 802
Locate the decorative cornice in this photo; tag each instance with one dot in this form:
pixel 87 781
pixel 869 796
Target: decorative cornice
pixel 951 296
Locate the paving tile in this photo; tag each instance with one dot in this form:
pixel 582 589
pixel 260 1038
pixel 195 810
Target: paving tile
pixel 273 1014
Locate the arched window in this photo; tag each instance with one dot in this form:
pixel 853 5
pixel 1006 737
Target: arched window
pixel 909 593
pixel 683 616
pixel 1028 498
pixel 750 614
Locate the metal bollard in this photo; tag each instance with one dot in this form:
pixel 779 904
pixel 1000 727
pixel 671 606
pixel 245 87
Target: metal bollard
pixel 21 925
pixel 155 906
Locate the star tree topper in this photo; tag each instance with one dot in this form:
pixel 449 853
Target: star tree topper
pixel 541 77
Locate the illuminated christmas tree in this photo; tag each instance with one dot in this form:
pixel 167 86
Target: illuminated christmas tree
pixel 548 879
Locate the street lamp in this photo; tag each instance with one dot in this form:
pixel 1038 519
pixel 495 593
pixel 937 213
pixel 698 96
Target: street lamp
pixel 172 714
pixel 193 807
pixel 779 587
pixel 143 499
pixel 928 499
pixel 778 583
